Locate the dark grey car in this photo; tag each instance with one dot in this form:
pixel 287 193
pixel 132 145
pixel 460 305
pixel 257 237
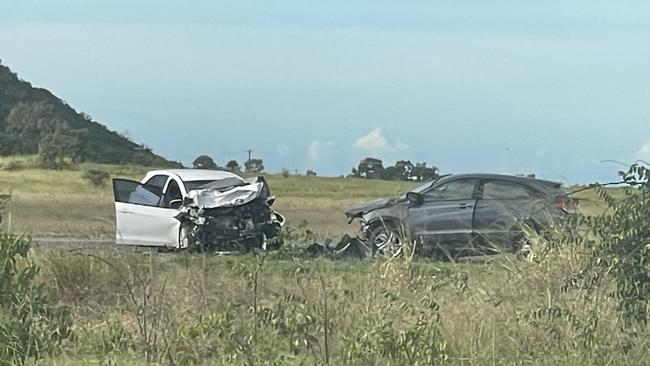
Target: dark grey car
pixel 463 214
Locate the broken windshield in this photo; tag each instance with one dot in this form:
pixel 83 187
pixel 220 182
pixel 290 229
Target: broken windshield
pixel 220 185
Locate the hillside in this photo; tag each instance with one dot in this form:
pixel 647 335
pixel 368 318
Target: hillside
pixel 34 121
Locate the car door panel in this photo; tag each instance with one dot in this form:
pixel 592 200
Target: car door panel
pixel 139 219
pixel 502 207
pixel 446 223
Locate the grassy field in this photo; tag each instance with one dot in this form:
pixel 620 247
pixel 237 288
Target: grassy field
pixel 288 309
pixel 61 203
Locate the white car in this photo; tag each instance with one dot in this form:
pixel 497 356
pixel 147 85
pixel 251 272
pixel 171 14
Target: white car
pixel 192 208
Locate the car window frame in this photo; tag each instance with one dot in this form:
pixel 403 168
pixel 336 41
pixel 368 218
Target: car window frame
pixel 164 185
pixel 166 191
pixel 472 198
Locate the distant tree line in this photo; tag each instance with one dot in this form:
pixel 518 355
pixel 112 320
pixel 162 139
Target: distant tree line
pixel 369 168
pixel 254 166
pixel 372 168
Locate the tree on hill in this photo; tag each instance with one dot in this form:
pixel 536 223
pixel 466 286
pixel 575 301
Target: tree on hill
pixel 29 115
pixel 204 162
pixel 36 128
pixel 60 143
pixel 254 166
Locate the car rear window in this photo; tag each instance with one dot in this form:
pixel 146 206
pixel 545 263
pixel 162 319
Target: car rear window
pixel 505 191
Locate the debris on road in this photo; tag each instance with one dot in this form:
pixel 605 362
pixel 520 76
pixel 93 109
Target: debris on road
pixel 347 247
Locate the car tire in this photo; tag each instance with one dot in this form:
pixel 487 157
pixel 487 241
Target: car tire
pixel 187 237
pixel 386 240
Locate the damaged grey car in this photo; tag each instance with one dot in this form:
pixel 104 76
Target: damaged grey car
pixel 461 215
pixel 196 209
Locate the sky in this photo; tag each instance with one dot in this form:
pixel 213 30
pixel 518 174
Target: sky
pixel 550 87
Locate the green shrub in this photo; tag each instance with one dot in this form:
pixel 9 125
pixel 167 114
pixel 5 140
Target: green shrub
pixel 30 327
pixel 95 177
pixel 14 166
pixel 618 248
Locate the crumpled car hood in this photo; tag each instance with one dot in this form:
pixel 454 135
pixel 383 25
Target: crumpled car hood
pixel 238 196
pixel 370 206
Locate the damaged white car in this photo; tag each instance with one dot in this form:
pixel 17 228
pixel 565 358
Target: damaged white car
pixel 196 209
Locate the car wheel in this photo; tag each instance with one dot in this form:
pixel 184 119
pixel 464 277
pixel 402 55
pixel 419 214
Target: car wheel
pixel 386 241
pixel 186 236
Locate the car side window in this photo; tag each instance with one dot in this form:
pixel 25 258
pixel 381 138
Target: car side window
pixel 157 181
pixel 505 191
pixel 173 193
pixel 135 193
pixel 456 190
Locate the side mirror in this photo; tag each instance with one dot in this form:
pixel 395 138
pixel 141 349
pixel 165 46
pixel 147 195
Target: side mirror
pixel 415 198
pixel 176 204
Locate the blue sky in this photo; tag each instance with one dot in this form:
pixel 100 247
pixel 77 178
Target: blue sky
pixel 551 87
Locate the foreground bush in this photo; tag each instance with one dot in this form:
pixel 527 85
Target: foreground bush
pixel 30 327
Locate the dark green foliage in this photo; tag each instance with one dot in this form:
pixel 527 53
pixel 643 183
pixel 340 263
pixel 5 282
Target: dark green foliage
pixel 95 177
pixel 372 168
pixel 311 173
pixel 30 328
pixel 423 173
pixel 204 162
pixel 4 202
pixel 617 248
pixel 233 166
pixel 254 166
pixel 33 121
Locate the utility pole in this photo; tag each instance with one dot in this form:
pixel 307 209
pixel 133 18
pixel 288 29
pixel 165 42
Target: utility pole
pixel 250 154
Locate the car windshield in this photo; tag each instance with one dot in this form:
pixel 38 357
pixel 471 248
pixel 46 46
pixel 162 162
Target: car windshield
pixel 220 185
pixel 427 185
pixel 424 187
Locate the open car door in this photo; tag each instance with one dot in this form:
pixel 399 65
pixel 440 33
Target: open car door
pixel 140 219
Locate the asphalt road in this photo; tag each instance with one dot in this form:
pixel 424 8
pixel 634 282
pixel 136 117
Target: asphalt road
pixel 82 244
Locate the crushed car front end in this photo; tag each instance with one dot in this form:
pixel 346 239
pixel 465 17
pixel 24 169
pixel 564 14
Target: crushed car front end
pixel 240 218
pixel 385 212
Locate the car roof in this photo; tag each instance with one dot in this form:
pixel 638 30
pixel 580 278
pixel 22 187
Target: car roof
pixel 190 175
pixel 504 177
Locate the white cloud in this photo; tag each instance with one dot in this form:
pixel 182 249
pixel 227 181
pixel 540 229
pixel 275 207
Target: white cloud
pixel 644 152
pixel 317 150
pixel 376 142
